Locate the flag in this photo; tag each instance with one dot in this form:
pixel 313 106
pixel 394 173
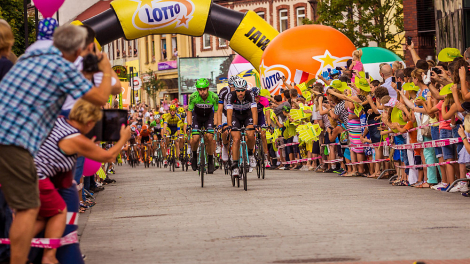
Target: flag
pixel 302 86
pixel 302 76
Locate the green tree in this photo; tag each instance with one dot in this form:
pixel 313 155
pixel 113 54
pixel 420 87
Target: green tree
pixel 153 86
pixel 363 21
pixel 12 12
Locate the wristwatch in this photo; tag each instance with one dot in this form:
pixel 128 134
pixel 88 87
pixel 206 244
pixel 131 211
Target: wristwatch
pixel 464 138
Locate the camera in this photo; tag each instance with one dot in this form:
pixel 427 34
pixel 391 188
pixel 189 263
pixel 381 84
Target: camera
pixel 436 70
pixel 90 63
pixel 367 75
pixel 338 68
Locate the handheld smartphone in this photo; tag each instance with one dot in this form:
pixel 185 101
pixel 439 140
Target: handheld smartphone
pixel 348 81
pixel 436 70
pixel 399 86
pixel 393 79
pixel 109 127
pixel 367 75
pixel 408 41
pixel 338 68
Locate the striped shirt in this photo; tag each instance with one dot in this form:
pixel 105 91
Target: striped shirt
pixel 50 160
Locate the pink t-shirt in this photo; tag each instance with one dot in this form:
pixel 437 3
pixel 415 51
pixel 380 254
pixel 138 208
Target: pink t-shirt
pixel 443 125
pixel 264 101
pixel 359 67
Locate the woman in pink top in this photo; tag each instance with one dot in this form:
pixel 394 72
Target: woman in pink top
pixel 356 65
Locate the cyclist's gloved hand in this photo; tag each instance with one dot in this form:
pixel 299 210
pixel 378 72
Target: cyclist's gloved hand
pixel 229 128
pixel 189 128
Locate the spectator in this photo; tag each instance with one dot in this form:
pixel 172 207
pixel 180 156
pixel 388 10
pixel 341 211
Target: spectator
pixel 175 52
pixel 164 54
pixel 386 73
pixel 32 94
pixel 6 43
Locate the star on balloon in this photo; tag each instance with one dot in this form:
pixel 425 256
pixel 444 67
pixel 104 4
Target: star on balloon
pixel 329 61
pixel 183 21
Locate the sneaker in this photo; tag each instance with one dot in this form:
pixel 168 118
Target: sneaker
pixel 439 185
pixel 217 149
pixel 235 172
pixel 224 153
pixel 443 188
pixel 267 164
pixel 252 161
pixel 177 164
pixel 165 162
pixel 250 170
pixel 339 171
pixel 460 187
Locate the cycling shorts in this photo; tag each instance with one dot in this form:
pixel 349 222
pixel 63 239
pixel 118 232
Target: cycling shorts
pixel 173 130
pixel 242 120
pixel 145 139
pixel 206 122
pixel 261 119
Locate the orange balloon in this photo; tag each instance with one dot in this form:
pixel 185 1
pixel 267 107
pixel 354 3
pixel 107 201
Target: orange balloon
pixel 307 49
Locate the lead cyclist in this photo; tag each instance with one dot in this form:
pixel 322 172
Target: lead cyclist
pixel 201 107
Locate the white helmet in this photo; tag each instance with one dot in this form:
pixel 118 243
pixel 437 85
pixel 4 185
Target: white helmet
pixel 240 84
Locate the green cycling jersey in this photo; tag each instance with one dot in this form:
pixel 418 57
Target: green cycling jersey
pixel 198 105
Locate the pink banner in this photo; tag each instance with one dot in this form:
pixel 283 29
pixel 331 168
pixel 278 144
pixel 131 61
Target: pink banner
pixel 429 144
pixel 288 144
pixel 427 165
pixel 378 124
pixel 300 160
pixel 380 144
pixel 419 127
pixel 332 161
pixel 71 238
pixel 368 161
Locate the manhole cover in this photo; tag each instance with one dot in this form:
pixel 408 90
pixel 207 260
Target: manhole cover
pixel 316 260
pixel 136 216
pixel 248 236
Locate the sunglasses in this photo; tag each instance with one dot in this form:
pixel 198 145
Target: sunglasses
pixel 239 91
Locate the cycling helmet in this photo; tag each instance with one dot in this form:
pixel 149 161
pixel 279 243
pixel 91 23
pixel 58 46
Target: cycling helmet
pixel 255 91
pixel 202 83
pixel 139 127
pixel 180 110
pixel 133 128
pixel 172 107
pixel 232 79
pixel 240 84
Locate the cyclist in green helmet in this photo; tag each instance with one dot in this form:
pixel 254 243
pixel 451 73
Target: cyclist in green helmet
pixel 202 105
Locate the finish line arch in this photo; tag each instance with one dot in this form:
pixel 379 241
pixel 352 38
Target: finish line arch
pixel 248 33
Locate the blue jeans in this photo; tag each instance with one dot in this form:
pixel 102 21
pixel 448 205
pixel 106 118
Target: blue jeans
pixel 435 136
pixel 374 131
pixel 79 169
pixel 447 151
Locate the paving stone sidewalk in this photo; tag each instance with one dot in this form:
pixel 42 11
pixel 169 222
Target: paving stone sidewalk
pixel 156 216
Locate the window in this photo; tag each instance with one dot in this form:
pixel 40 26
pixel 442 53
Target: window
pixel 163 46
pixel 283 25
pixel 261 14
pixel 206 40
pixel 300 15
pixel 222 42
pixel 135 47
pixel 123 45
pixel 174 45
pixel 147 50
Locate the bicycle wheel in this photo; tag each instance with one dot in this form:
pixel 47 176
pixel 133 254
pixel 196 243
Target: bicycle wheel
pixel 202 162
pixel 245 166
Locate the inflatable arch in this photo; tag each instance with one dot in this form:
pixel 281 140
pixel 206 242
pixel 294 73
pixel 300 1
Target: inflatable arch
pixel 248 33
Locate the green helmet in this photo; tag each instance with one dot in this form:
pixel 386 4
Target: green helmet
pixel 202 83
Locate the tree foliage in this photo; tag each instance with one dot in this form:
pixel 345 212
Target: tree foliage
pixel 153 86
pixel 12 12
pixel 363 21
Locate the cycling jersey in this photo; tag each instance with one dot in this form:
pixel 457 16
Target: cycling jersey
pixel 202 107
pixel 145 132
pixel 243 106
pixel 170 120
pixel 222 98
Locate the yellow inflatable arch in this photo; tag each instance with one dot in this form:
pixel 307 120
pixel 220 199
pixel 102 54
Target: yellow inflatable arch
pixel 248 33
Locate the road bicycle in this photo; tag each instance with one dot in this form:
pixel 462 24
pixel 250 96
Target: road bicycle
pixel 259 155
pixel 145 156
pixel 184 157
pixel 243 162
pixel 132 156
pixel 172 156
pixel 202 155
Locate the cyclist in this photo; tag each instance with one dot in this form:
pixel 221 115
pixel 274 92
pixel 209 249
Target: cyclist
pixel 170 127
pixel 262 103
pixel 145 139
pixel 222 113
pixel 133 142
pixel 182 125
pixel 202 105
pixel 242 111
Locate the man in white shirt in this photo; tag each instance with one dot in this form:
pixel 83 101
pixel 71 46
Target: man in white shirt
pixel 387 74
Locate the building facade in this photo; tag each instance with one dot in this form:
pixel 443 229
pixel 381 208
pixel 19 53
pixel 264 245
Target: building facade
pixel 281 14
